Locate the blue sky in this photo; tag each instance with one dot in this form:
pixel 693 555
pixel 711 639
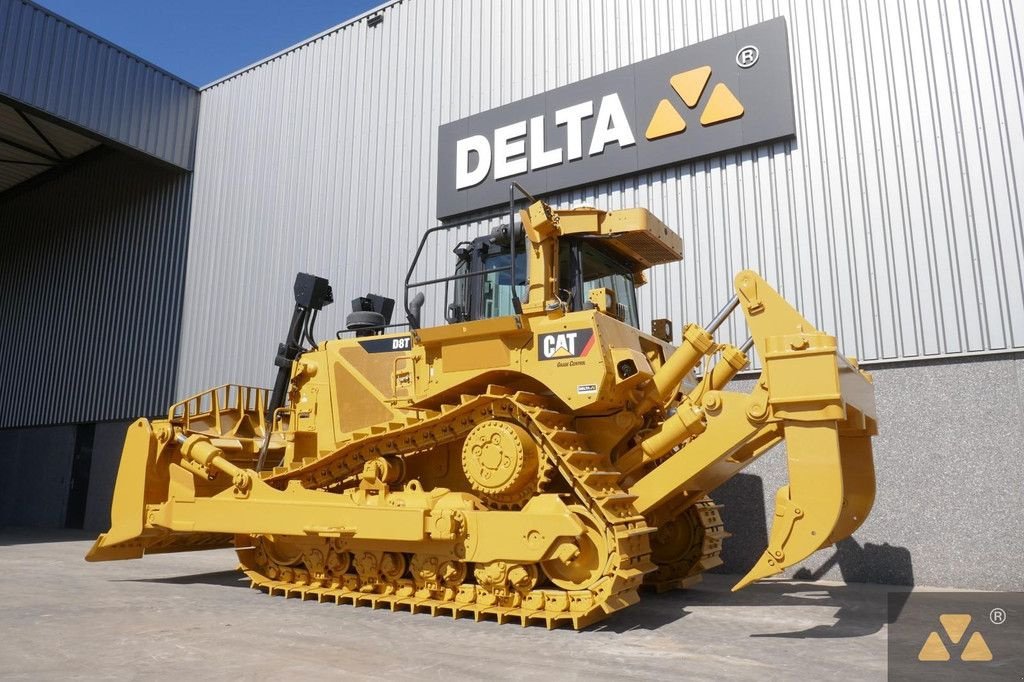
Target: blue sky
pixel 202 41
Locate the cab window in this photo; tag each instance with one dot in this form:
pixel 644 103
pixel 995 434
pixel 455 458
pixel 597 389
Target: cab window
pixel 600 270
pixel 496 294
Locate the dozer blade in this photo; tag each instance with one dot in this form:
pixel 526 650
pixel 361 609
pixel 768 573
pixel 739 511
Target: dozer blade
pixel 830 492
pixel 122 541
pixel 139 480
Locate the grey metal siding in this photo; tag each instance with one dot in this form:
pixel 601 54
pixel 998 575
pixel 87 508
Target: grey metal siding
pixel 92 273
pixel 893 219
pixel 68 73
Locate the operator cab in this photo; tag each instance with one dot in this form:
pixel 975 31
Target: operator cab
pixel 568 260
pixel 482 287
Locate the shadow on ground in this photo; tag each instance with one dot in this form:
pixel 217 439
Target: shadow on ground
pixel 861 610
pixel 231 578
pixel 861 607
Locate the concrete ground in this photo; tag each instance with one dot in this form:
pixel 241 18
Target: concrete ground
pixel 190 615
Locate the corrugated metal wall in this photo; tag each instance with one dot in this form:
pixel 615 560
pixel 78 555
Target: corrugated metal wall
pixel 67 72
pixel 893 219
pixel 92 273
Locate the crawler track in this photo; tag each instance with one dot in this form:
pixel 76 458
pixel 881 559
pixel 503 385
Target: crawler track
pixel 590 475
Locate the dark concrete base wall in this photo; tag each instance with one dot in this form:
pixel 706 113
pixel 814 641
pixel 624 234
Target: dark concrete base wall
pixel 37 472
pixel 37 462
pixel 950 476
pixel 106 455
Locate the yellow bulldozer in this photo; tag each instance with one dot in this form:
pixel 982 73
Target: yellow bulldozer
pixel 536 459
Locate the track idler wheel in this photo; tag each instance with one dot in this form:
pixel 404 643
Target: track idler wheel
pixel 579 564
pixel 281 549
pixel 687 545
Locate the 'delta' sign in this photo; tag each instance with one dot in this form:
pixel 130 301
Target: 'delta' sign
pixel 722 94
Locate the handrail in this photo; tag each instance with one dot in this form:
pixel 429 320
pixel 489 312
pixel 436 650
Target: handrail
pixel 419 252
pixel 516 304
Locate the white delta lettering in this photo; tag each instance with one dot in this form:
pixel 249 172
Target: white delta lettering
pixel 511 155
pixel 556 342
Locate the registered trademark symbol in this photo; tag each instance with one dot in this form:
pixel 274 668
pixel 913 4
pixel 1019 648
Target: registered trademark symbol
pixel 747 56
pixel 997 616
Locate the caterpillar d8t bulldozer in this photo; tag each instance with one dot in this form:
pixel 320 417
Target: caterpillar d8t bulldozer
pixel 536 459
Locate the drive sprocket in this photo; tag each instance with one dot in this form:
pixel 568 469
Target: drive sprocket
pixel 501 461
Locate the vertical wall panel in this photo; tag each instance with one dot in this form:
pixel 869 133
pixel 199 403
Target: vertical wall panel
pixel 893 219
pixel 37 473
pixel 92 272
pixel 62 70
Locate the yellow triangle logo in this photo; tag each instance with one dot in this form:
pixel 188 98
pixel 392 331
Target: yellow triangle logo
pixel 955 625
pixel 933 649
pixel 723 106
pixel 976 649
pixel 666 121
pixel 690 84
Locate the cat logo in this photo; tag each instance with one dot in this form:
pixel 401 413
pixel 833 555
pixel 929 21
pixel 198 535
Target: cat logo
pixel 689 85
pixel 955 625
pixel 570 344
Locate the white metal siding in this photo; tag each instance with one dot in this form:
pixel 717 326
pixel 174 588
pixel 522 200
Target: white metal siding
pixel 893 219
